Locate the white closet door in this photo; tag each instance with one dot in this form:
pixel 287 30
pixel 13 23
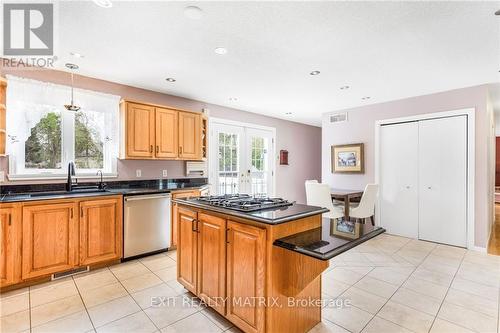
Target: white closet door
pixel 442 180
pixel 399 179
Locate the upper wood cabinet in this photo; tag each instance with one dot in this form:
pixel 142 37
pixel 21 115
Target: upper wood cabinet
pixel 212 261
pixel 189 135
pixel 139 131
pixel 155 132
pixel 166 133
pixel 100 230
pixel 246 260
pixel 50 238
pixel 187 247
pixel 10 244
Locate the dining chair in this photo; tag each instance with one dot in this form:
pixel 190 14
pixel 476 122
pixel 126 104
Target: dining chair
pixel 318 194
pixel 366 207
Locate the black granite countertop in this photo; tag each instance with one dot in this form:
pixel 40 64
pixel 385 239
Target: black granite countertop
pixel 333 238
pixel 268 216
pixel 16 193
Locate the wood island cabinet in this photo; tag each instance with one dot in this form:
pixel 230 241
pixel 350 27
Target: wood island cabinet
pixel 175 195
pixel 154 132
pixel 187 249
pixel 100 230
pixel 50 238
pixel 10 244
pixel 246 275
pixel 212 261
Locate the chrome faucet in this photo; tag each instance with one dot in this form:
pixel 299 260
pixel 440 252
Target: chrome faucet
pixel 101 185
pixel 71 173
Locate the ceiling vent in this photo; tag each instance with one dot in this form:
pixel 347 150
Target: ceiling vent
pixel 338 118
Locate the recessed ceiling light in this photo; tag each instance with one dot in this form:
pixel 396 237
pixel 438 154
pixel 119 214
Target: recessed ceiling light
pixel 315 73
pixel 344 87
pixel 233 99
pixel 76 55
pixel 220 50
pixel 365 98
pixel 170 79
pixel 193 12
pixel 104 3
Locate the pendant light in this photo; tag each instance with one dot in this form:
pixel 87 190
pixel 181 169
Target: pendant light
pixel 72 106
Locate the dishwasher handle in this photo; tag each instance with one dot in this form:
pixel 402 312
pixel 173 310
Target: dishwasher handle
pixel 147 197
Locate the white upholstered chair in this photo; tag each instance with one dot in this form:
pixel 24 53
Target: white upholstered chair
pixel 366 207
pixel 319 195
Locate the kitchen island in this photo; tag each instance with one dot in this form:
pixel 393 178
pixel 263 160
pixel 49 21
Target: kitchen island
pixel 260 269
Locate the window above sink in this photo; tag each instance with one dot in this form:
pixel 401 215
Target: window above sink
pixel 43 136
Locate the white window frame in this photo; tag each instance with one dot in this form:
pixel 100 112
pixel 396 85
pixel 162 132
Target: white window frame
pixel 16 150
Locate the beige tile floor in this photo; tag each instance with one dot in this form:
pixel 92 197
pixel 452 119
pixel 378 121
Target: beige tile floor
pixel 393 284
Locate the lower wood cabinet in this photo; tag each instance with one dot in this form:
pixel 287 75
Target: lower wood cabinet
pixel 246 276
pixel 40 238
pixel 10 244
pixel 100 230
pixel 50 238
pixel 175 195
pixel 212 261
pixel 223 263
pixel 187 249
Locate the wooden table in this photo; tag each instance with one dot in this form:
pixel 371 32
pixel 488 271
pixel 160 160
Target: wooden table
pixel 346 196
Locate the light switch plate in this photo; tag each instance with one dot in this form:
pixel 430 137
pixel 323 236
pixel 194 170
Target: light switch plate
pixel 164 173
pixel 138 173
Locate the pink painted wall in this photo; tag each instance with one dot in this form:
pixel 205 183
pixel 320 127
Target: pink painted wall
pixel 302 141
pixel 361 128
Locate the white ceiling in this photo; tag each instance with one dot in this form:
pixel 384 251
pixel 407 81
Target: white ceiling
pixel 385 50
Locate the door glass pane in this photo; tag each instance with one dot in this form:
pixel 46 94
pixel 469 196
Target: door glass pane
pixel 259 171
pixel 228 163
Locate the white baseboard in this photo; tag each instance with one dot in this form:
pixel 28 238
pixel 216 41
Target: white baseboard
pixel 478 249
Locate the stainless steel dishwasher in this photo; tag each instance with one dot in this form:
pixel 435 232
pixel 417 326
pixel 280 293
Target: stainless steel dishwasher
pixel 147 224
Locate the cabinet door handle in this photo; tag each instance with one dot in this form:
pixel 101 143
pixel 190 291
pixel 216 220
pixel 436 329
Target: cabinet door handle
pixel 180 150
pixel 10 219
pixel 151 148
pixel 71 212
pixel 193 225
pixel 227 236
pixel 157 149
pixel 81 211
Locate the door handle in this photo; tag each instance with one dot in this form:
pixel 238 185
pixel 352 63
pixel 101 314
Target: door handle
pixel 151 148
pixel 81 211
pixel 180 149
pixel 193 225
pixel 71 212
pixel 157 149
pixel 10 219
pixel 227 235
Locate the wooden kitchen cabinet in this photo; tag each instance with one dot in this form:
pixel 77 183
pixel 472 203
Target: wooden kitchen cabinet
pixel 212 261
pixel 151 131
pixel 166 133
pixel 175 195
pixel 3 115
pixel 187 248
pixel 139 130
pixel 100 230
pixel 189 136
pixel 50 238
pixel 246 250
pixel 10 244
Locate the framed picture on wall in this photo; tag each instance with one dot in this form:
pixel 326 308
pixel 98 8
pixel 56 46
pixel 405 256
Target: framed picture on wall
pixel 348 158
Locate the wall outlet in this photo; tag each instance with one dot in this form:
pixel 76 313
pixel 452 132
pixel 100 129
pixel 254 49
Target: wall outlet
pixel 138 173
pixel 164 173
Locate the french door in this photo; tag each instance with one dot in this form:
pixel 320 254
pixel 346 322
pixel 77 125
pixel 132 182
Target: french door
pixel 241 160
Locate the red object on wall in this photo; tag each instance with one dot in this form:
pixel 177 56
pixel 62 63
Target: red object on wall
pixel 283 157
